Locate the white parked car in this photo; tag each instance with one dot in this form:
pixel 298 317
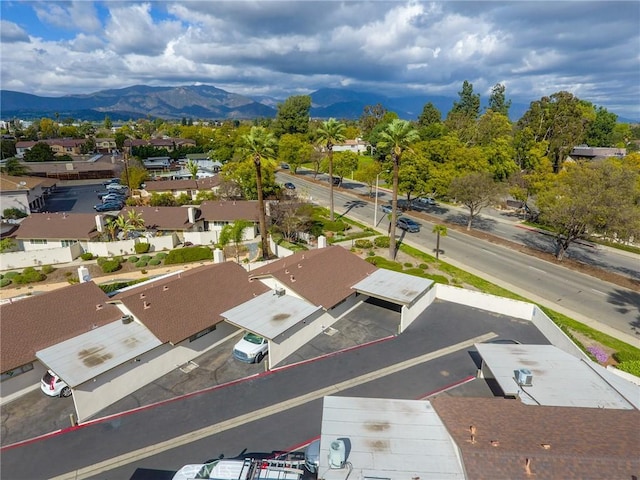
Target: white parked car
pixel 220 469
pixel 241 470
pixel 53 386
pixel 251 348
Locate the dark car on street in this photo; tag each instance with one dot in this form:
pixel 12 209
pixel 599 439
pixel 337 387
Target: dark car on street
pixel 408 225
pixel 108 206
pixel 289 186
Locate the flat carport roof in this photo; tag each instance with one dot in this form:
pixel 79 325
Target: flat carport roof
pixel 270 314
pixel 91 354
pixel 393 286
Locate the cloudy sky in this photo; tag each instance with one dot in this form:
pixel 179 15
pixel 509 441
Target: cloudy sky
pixel 281 48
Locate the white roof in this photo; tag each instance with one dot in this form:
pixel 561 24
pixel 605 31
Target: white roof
pixel 86 356
pixel 559 379
pixel 270 314
pixel 388 439
pixel 393 286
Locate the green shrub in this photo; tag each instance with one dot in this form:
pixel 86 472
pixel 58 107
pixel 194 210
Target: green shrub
pixel 100 261
pixel 47 269
pixel 4 282
pixel 626 356
pixel 73 280
pixel 11 275
pixel 371 253
pixel 188 254
pixel 632 367
pixel 87 256
pixel 145 258
pixel 142 247
pixel 408 264
pixel 423 266
pixel 68 274
pixel 363 243
pixel 143 271
pixel 335 226
pixel 141 264
pixel 119 259
pixel 111 266
pixel 384 263
pixel 381 242
pixel 418 272
pixel 160 255
pixel 132 259
pixel 155 261
pixel 30 275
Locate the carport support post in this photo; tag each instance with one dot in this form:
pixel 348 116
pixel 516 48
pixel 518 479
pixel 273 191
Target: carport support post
pixel 72 419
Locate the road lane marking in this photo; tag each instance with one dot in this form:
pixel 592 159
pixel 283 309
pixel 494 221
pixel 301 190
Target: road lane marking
pixel 274 409
pixel 536 269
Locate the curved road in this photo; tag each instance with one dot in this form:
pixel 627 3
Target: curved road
pixel 602 305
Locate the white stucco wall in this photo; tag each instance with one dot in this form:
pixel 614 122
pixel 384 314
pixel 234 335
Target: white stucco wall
pixel 37 258
pixel 484 301
pixel 409 314
pixel 14 387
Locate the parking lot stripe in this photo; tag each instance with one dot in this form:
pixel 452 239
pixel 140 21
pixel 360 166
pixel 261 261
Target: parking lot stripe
pixel 274 409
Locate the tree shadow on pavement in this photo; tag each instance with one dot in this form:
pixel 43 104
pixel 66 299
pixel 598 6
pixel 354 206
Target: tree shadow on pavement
pixel 625 302
pixel 479 223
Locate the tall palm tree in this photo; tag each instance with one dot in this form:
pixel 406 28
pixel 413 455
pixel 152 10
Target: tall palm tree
pixel 398 136
pixel 260 145
pixel 330 133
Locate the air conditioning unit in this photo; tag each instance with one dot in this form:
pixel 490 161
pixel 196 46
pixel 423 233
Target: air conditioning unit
pixel 524 377
pixel 280 291
pixel 337 454
pixel 127 319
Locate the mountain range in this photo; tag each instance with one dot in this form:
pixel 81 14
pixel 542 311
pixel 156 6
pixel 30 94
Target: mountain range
pixel 207 102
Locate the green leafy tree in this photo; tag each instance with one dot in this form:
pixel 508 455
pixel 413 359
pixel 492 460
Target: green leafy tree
pixel 331 132
pixel 162 200
pixel 120 138
pixel 497 100
pixel 48 128
pixel 294 150
pixel 430 115
pixel 40 152
pixel 107 122
pixel 468 103
pixel 234 233
pixel 371 116
pixel 398 137
pixel 111 226
pixel 475 191
pixel 7 245
pixel 89 146
pixel 123 225
pixel 368 173
pixel 592 198
pixel 559 120
pixel 345 163
pixel 293 115
pixel 259 145
pixel 600 131
pixel 192 168
pixel 15 167
pixel 7 148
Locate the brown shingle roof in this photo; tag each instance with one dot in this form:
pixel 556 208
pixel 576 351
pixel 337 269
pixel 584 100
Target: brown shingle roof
pixel 207 183
pixel 169 185
pixel 40 321
pixel 163 218
pixel 183 305
pixel 323 276
pixel 230 211
pixel 58 226
pixel 11 183
pixel 583 443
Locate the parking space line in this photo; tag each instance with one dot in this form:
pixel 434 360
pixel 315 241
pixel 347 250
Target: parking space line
pixel 274 409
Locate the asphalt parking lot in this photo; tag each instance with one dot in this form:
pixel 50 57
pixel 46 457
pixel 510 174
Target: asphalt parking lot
pixel 36 414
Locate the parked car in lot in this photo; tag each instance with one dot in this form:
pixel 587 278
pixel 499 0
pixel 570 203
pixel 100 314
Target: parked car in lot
pixel 408 225
pixel 289 186
pixel 116 186
pixel 388 209
pixel 336 181
pixel 423 202
pixel 251 348
pixel 112 180
pixel 114 197
pixel 108 206
pixel 53 386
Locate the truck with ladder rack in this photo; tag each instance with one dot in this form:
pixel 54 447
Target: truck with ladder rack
pixel 283 468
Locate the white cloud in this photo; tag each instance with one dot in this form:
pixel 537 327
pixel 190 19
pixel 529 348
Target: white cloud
pixel 78 15
pixel 131 29
pixel 11 33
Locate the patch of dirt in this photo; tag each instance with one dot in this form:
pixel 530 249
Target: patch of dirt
pixel 588 342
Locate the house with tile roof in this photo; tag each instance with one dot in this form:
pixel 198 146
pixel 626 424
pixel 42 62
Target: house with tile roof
pixel 506 439
pixel 178 187
pixel 60 146
pixel 40 231
pixel 26 193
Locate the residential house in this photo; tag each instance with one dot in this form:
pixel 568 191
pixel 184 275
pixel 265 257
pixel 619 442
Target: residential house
pixel 178 187
pixel 358 146
pixel 60 146
pixel 216 214
pixel 168 221
pixel 106 145
pixel 27 194
pixel 41 231
pixel 585 152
